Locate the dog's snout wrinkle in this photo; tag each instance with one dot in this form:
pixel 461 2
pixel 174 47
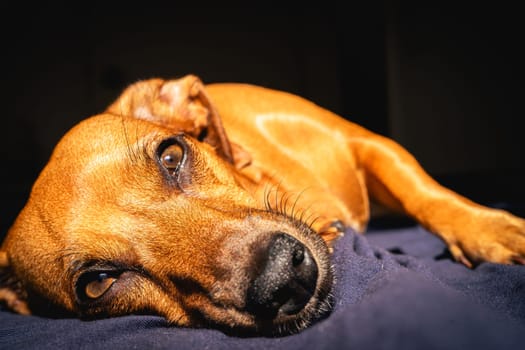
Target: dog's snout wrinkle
pixel 286 282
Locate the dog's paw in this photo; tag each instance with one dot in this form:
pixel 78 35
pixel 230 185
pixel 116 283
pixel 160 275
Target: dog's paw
pixel 492 236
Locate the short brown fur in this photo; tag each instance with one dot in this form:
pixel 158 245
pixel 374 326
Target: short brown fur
pixel 185 242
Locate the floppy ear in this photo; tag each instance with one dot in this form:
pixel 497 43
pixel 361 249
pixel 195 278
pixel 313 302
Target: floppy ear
pixel 191 88
pixel 183 105
pixel 214 133
pixel 12 293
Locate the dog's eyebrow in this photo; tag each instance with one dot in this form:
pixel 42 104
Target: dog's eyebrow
pixel 79 266
pixel 132 155
pixel 140 151
pixel 78 263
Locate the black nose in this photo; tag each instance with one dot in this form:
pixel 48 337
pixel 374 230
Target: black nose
pixel 287 280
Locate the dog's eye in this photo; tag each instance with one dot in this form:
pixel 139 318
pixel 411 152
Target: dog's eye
pixel 99 285
pixel 171 157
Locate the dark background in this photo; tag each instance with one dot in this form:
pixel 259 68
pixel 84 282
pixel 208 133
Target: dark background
pixel 444 80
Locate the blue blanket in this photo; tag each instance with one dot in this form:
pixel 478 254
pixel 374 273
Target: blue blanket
pixel 395 289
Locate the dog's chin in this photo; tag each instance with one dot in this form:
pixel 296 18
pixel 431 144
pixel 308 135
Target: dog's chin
pixel 246 325
pixel 285 324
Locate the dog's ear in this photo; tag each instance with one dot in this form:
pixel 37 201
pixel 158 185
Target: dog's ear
pixel 176 92
pixel 214 133
pixel 12 293
pixel 183 105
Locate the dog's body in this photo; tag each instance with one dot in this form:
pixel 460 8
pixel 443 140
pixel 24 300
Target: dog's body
pixel 201 205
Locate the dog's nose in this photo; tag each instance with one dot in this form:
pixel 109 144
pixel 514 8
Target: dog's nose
pixel 287 280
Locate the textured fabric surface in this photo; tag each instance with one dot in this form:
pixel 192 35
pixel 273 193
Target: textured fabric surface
pixel 395 289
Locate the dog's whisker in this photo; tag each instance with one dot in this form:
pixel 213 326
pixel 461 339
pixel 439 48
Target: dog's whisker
pixel 284 202
pixel 276 199
pixel 298 197
pixel 123 117
pixel 267 192
pixel 311 223
pixel 304 212
pixel 278 202
pixel 293 212
pixel 308 218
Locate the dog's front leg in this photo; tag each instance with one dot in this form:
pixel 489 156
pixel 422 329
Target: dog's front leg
pixel 474 233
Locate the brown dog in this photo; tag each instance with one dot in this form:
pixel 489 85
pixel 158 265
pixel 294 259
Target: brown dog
pixel 202 204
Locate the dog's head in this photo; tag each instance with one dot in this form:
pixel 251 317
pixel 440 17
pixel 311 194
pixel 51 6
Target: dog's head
pixel 138 216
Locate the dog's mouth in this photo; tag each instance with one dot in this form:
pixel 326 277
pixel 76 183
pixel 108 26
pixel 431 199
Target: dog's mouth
pixel 284 288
